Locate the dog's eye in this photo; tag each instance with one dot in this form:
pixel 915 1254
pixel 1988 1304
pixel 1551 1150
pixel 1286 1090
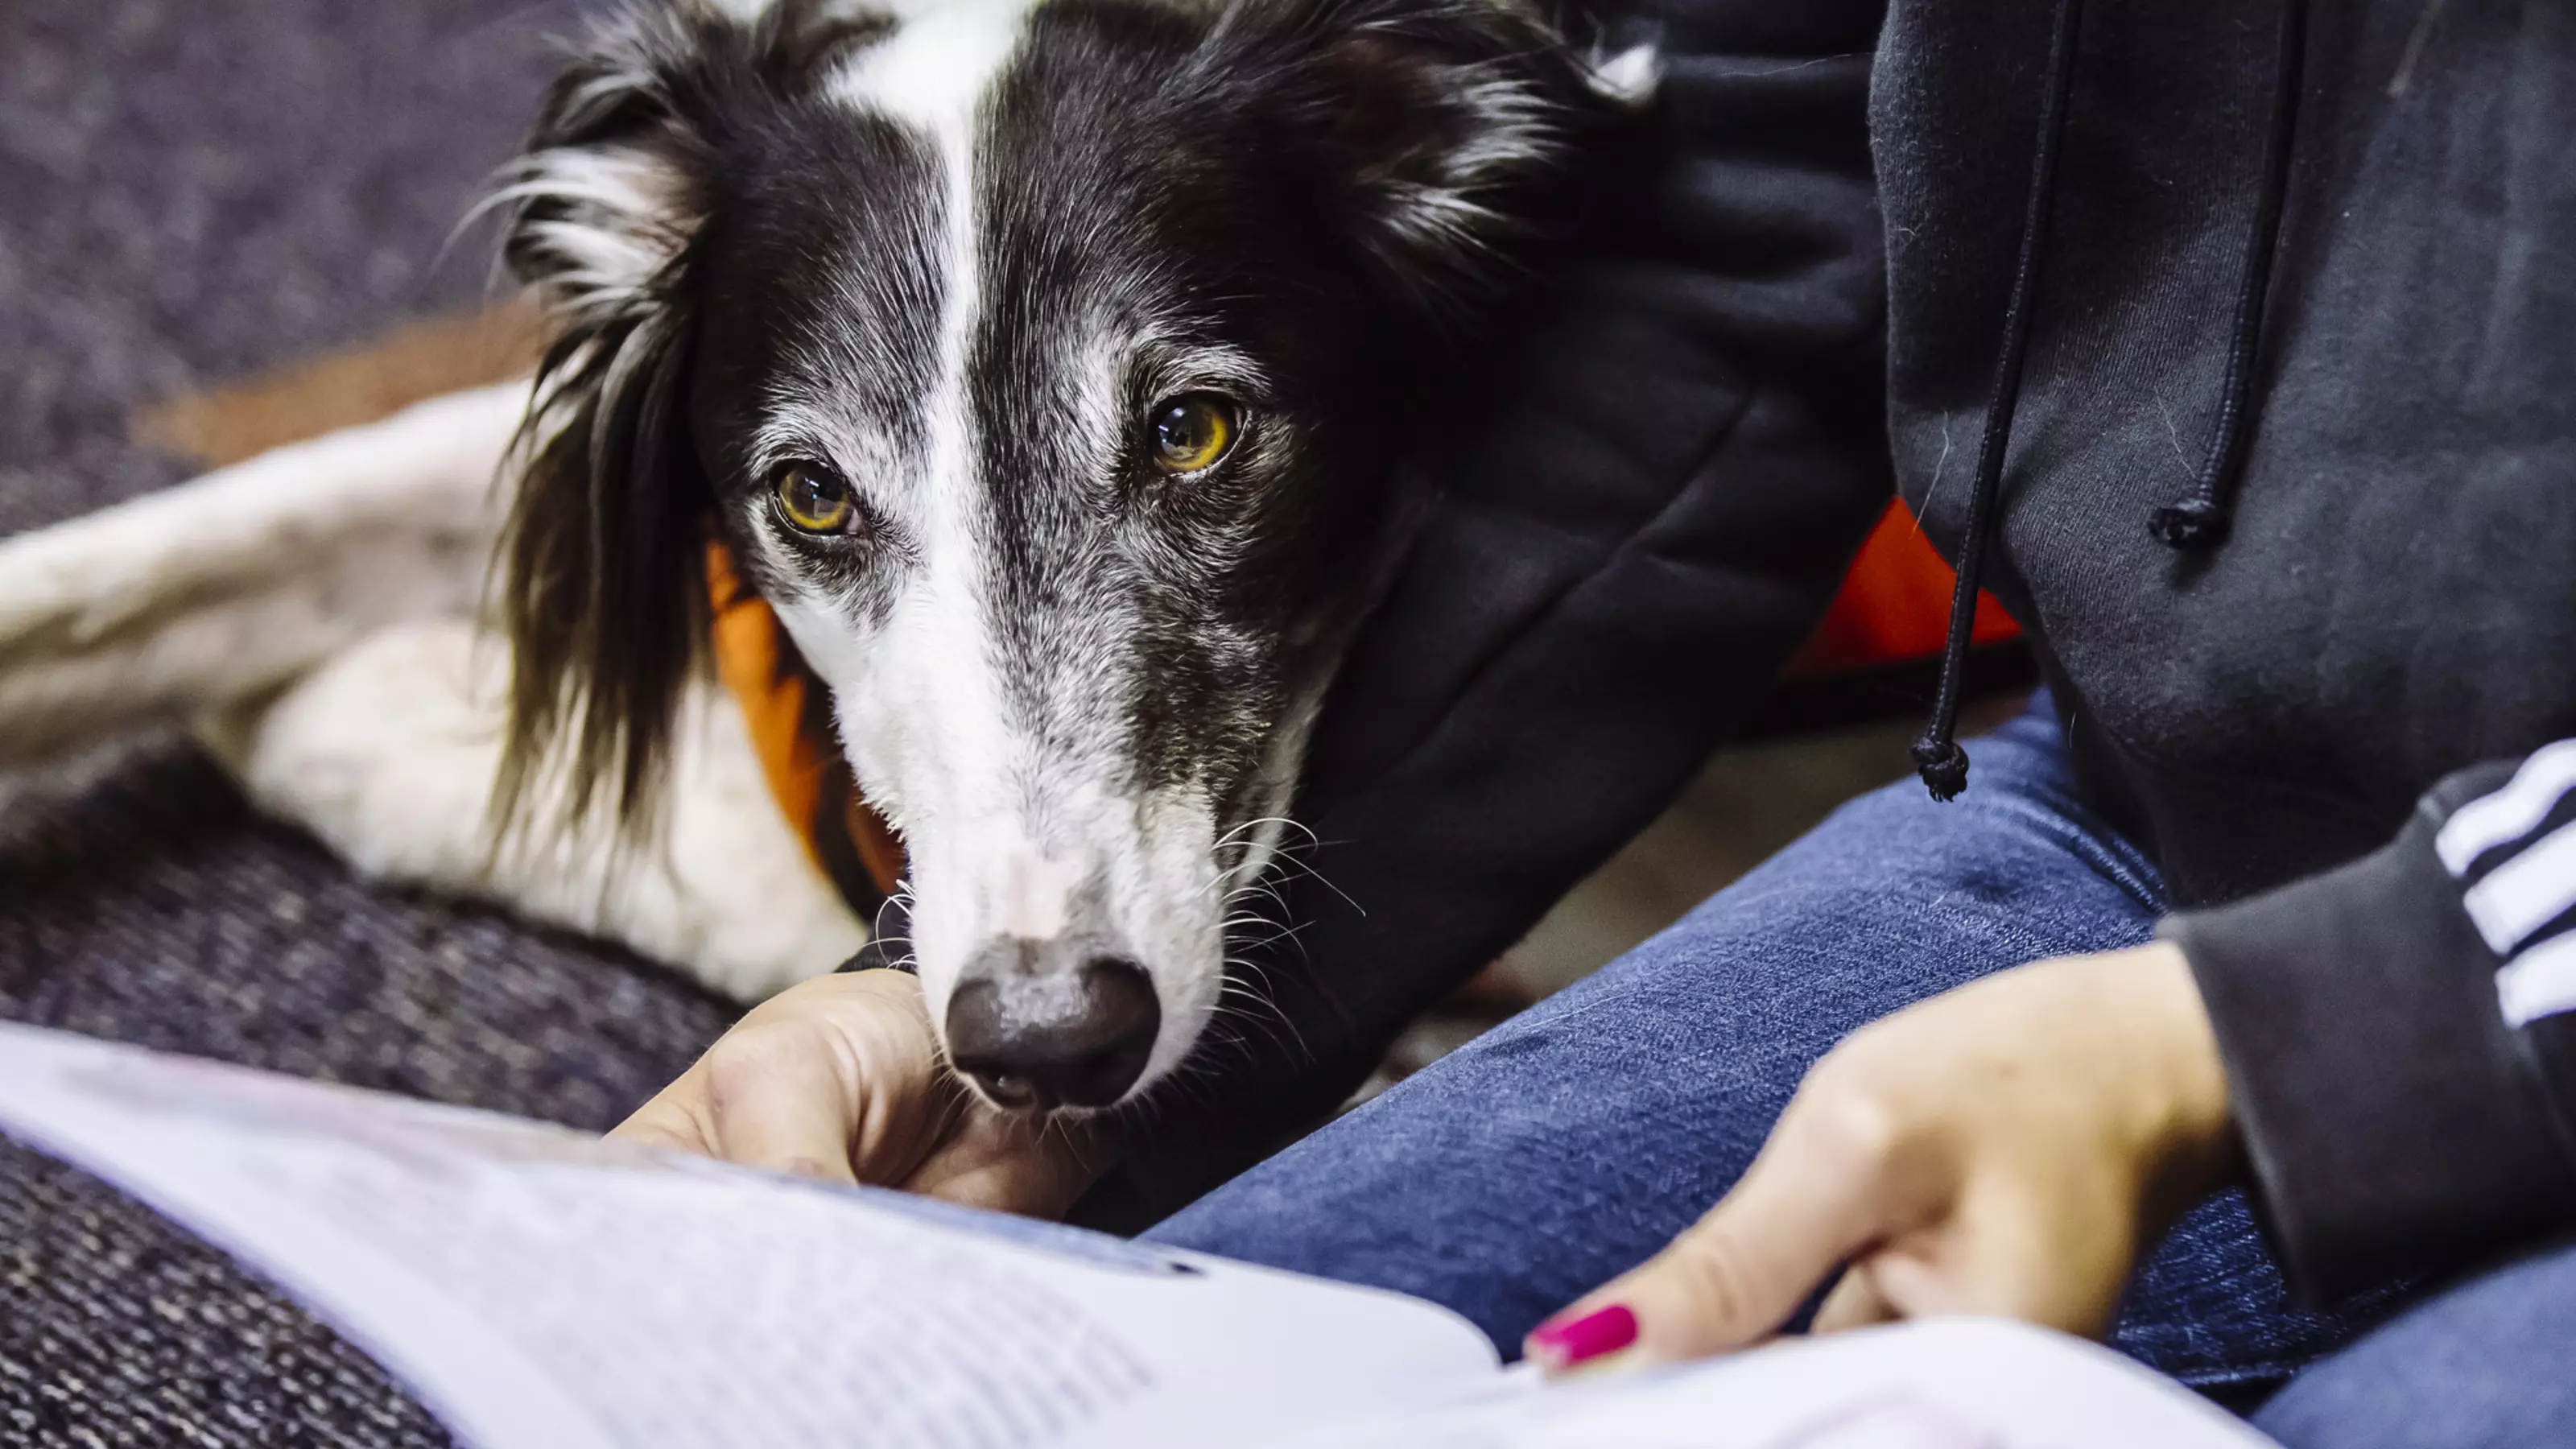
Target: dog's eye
pixel 1191 432
pixel 812 499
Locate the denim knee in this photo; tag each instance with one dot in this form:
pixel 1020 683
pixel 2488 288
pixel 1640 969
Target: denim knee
pixel 2488 1364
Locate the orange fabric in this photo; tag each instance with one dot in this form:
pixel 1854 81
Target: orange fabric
pixel 760 670
pixel 1894 605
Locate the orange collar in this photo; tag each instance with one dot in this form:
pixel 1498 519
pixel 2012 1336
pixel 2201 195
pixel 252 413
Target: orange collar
pixel 790 717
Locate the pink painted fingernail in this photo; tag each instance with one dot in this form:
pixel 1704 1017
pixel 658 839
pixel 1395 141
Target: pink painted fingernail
pixel 1561 1343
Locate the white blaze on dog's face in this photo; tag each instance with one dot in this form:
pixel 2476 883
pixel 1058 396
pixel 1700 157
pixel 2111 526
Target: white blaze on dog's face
pixel 1048 369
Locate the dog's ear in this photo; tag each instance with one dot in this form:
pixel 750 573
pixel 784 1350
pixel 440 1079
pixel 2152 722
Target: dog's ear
pixel 603 564
pixel 1430 125
pixel 602 589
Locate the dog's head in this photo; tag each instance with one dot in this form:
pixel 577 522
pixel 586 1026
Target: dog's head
pixel 1052 369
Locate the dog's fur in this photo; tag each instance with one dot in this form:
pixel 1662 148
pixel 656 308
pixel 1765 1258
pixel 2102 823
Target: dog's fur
pixel 951 255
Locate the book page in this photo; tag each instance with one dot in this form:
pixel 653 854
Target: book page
pixel 538 1287
pixel 1957 1383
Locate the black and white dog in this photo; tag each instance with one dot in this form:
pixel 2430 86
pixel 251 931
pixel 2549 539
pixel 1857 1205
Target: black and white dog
pixel 1054 370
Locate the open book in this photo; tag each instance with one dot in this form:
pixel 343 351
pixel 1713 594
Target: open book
pixel 537 1287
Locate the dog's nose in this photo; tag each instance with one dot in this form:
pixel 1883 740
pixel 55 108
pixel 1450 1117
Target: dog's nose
pixel 1074 1038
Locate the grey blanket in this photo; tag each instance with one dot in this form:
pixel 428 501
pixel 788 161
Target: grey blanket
pixel 192 191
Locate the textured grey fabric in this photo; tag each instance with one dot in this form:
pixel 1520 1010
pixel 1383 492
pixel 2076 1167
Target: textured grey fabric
pixel 191 190
pixel 117 1330
pixel 194 189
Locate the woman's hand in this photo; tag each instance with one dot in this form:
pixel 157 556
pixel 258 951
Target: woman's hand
pixel 841 1078
pixel 2006 1148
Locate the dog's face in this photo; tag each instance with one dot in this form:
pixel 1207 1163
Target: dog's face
pixel 1052 371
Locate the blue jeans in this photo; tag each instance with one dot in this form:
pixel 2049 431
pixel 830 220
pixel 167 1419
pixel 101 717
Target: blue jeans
pixel 1572 1141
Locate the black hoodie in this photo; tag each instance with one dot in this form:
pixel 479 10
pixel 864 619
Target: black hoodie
pixel 2299 559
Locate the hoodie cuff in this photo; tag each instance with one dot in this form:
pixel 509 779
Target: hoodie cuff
pixel 2394 1122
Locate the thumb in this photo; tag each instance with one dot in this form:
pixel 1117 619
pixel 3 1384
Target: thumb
pixel 1731 1278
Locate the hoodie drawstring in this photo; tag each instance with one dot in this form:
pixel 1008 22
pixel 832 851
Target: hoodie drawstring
pixel 2200 521
pixel 1937 756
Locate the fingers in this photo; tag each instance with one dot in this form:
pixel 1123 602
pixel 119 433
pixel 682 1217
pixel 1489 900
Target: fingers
pixel 1004 1163
pixel 777 1098
pixel 767 1095
pixel 841 1078
pixel 1856 1302
pixel 837 1078
pixel 1735 1275
pixel 2002 1149
pixel 2051 1248
pixel 667 1122
pixel 1810 1202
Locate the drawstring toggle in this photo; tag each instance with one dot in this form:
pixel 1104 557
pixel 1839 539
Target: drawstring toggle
pixel 1943 766
pixel 2192 525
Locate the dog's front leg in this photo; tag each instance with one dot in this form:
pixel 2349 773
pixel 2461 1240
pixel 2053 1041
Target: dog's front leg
pixel 388 753
pixel 218 590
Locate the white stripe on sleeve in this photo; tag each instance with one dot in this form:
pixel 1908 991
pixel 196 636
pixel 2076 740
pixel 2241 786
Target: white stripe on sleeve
pixel 2539 982
pixel 2525 893
pixel 2509 813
